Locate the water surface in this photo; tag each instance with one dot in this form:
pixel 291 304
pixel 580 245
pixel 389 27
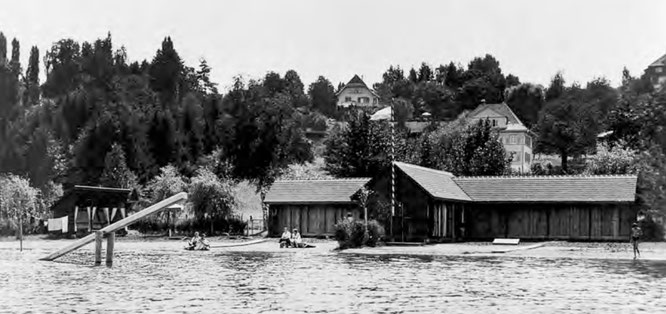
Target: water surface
pixel 302 281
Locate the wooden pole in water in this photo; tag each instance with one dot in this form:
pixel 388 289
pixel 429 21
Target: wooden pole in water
pixel 20 234
pixel 110 242
pixel 98 247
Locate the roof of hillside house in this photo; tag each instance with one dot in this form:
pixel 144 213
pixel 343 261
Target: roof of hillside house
pixel 439 184
pixel 314 191
pixel 356 81
pixel 550 189
pixel 659 62
pixel 502 109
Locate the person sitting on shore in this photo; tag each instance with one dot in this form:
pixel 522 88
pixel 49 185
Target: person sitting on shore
pixel 203 243
pixel 285 239
pixel 194 241
pixel 636 233
pixel 296 239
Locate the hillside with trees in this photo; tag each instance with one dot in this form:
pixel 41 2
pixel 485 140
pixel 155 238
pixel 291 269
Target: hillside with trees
pixel 161 126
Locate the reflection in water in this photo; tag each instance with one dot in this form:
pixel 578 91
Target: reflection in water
pixel 315 282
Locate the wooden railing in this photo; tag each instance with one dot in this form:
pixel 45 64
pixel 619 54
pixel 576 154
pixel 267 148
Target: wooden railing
pixel 112 228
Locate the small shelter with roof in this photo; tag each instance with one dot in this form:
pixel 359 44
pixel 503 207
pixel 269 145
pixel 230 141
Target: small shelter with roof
pixel 311 206
pixel 357 93
pixel 83 209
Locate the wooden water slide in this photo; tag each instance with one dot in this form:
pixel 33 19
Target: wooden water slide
pixel 112 228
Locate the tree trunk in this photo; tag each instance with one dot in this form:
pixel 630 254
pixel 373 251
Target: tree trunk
pixel 211 227
pixel 564 156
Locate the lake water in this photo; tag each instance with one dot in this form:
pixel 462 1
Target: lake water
pixel 315 281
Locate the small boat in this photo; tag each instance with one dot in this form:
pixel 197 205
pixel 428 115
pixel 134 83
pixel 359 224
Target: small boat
pixel 189 248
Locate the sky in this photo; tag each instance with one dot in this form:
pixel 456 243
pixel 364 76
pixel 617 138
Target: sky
pixel 337 39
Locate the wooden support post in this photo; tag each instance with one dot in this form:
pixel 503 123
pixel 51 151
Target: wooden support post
pixel 110 242
pixel 76 218
pixel 98 247
pixel 106 215
pixel 93 218
pixel 89 219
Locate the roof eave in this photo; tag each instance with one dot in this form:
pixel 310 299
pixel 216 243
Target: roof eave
pixel 309 202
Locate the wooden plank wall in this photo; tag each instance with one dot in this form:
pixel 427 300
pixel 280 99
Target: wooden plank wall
pixel 310 220
pixel 561 221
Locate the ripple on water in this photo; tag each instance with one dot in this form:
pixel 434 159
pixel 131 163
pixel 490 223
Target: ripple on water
pixel 313 282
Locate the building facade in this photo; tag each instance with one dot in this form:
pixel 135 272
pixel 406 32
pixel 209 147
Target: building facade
pixel 357 93
pixel 656 72
pixel 517 139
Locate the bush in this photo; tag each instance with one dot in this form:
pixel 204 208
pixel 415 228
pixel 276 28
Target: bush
pixel 652 230
pixel 236 225
pixel 375 233
pixel 352 234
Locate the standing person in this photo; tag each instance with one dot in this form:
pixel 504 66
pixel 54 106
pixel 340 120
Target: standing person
pixel 636 233
pixel 285 239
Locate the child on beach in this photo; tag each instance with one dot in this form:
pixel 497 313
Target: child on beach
pixel 194 241
pixel 636 233
pixel 296 238
pixel 203 243
pixel 285 239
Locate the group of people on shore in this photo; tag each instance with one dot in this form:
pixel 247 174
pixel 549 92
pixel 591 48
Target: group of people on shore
pixel 291 239
pixel 198 242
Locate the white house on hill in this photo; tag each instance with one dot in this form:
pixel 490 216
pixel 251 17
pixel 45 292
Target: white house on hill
pixel 356 93
pixel 517 139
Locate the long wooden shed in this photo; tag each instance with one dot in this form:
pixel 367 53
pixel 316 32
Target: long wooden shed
pixel 311 206
pixel 550 207
pixel 436 205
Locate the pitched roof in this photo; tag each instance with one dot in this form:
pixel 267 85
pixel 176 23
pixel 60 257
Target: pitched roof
pixel 356 81
pixel 439 184
pixel 659 62
pixel 561 189
pixel 314 191
pixel 501 109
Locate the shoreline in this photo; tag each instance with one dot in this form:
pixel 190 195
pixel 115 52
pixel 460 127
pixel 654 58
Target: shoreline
pixel 650 251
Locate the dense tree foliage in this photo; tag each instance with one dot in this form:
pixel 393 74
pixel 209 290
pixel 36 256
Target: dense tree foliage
pixel 449 89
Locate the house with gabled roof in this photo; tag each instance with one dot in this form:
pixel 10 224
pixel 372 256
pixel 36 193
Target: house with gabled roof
pixel 656 72
pixel 517 139
pixel 357 93
pixel 435 205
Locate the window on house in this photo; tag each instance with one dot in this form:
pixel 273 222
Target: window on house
pixel 512 139
pixel 516 157
pixel 374 101
pixel 347 99
pixel 658 70
pixel 364 100
pixel 527 157
pixel 494 122
pixel 528 141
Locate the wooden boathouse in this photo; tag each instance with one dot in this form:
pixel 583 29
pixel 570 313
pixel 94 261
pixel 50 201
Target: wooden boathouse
pixel 311 206
pixel 84 209
pixel 435 205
